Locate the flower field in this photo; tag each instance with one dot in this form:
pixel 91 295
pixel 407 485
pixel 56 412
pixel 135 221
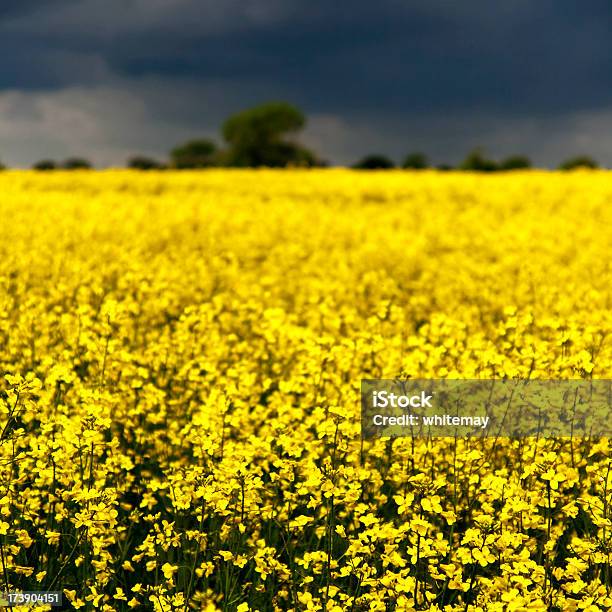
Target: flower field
pixel 180 360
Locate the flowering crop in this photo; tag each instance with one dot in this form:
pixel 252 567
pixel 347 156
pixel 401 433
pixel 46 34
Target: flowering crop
pixel 181 355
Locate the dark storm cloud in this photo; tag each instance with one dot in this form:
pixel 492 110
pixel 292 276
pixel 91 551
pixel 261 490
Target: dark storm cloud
pixel 524 56
pixel 417 64
pixel 529 60
pixel 10 8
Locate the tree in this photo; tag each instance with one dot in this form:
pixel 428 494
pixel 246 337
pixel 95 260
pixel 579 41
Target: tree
pixel 141 162
pixel 580 161
pixel 261 136
pixel 374 162
pixel 476 161
pixel 415 161
pixel 515 162
pixel 76 163
pixel 201 153
pixel 45 164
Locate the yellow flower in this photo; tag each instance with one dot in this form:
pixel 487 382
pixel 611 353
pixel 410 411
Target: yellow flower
pixel 23 538
pixel 168 570
pixel 432 504
pixel 53 537
pixel 404 502
pixel 119 594
pixel 300 521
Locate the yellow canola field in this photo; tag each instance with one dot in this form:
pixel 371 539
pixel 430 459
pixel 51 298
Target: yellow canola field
pixel 181 356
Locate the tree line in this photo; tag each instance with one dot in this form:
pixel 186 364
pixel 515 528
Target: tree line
pixel 263 136
pixel 266 136
pixel 475 161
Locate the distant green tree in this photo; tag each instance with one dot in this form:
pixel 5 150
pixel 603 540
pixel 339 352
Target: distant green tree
pixel 2 166
pixel 477 162
pixel 76 163
pixel 261 136
pixel 515 162
pixel 580 161
pixel 45 164
pixel 201 153
pixel 374 162
pixel 444 167
pixel 141 162
pixel 415 161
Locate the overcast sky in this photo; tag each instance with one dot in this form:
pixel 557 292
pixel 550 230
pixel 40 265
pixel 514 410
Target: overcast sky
pixel 109 78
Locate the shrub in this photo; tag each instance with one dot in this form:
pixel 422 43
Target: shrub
pixel 374 162
pixel 200 153
pixel 580 161
pixel 515 162
pixel 45 164
pixel 415 161
pixel 76 163
pixel 477 162
pixel 141 162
